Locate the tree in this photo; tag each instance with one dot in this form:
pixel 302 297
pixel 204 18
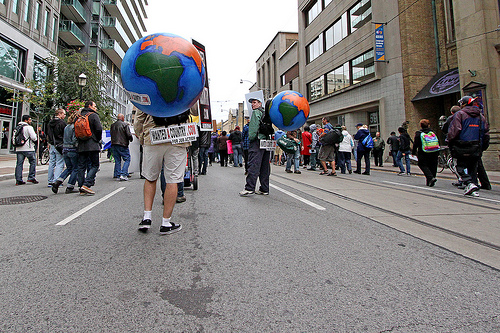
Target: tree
pixel 60 87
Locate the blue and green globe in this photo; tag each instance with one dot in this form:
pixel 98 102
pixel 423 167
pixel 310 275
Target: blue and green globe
pixel 289 110
pixel 164 74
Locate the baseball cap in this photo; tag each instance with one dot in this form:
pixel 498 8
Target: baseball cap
pixel 254 99
pixel 359 124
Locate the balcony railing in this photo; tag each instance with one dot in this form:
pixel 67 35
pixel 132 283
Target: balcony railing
pixel 113 50
pixel 70 33
pixel 73 10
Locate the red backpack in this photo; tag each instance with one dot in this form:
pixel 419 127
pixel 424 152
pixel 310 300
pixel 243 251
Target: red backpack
pixel 82 127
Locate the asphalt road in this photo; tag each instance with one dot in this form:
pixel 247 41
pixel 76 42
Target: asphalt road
pixel 319 254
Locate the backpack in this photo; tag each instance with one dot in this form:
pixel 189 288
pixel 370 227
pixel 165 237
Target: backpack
pixel 82 127
pixel 18 138
pixel 333 136
pixel 288 145
pixel 430 142
pixel 265 123
pixel 367 141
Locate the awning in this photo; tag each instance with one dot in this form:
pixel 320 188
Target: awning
pixel 444 83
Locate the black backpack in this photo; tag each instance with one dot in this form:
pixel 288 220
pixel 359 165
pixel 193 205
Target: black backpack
pixel 265 124
pixel 333 136
pixel 18 139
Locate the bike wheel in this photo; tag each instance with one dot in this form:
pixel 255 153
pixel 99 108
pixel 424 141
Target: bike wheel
pixel 441 164
pixel 451 164
pixel 45 157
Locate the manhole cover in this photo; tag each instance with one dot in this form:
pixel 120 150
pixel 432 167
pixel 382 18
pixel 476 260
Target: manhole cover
pixel 21 200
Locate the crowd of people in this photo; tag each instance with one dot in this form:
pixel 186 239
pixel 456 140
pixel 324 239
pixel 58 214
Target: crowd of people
pixel 75 143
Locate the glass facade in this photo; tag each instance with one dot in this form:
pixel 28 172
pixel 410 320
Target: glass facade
pixel 11 61
pixel 357 70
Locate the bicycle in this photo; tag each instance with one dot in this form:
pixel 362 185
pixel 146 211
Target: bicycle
pixel 44 158
pixel 445 160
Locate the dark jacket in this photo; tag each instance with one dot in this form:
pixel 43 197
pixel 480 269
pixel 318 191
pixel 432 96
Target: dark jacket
pixel 235 137
pixel 394 142
pixel 360 135
pixel 204 139
pixel 222 142
pixel 55 131
pixel 457 127
pixel 94 143
pixel 120 134
pixel 404 142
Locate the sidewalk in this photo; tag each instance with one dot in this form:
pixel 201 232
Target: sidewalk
pixel 8 166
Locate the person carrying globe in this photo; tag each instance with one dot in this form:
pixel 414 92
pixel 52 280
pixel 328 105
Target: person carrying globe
pixel 259 166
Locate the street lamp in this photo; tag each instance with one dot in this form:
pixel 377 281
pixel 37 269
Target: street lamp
pixel 82 82
pixel 256 86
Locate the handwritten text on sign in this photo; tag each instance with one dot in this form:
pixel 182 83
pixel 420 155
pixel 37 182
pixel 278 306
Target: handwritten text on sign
pixel 174 134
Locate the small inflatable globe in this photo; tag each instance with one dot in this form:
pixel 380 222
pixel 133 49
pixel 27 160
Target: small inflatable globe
pixel 164 74
pixel 289 110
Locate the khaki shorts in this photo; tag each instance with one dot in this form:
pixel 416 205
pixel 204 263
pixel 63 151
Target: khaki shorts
pixel 327 153
pixel 172 157
pixel 278 150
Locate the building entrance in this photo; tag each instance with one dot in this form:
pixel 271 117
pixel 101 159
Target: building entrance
pixel 5 136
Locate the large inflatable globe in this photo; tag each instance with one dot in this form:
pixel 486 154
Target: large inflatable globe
pixel 164 74
pixel 289 110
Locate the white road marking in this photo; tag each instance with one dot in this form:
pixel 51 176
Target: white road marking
pixel 441 191
pixel 89 207
pixel 310 203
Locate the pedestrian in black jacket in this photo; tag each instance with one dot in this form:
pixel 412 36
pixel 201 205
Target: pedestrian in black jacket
pixel 427 161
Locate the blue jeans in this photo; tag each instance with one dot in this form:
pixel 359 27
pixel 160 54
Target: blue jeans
pixel 21 155
pixel 295 157
pixel 56 164
pixel 407 160
pixel 71 160
pixel 203 160
pixel 237 155
pixel 119 153
pixel 344 159
pixel 90 160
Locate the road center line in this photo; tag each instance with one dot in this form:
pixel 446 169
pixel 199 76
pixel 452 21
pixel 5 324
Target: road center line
pixel 89 207
pixel 310 203
pixel 441 191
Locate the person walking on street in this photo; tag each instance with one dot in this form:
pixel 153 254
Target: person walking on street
pixel 204 139
pixel 426 148
pixel 259 159
pixel 404 150
pixel 327 151
pixel 314 147
pixel 378 150
pixel 393 142
pixel 345 148
pixel 306 146
pixel 55 136
pixel 235 139
pixel 293 157
pixel 70 154
pixel 26 151
pixel 245 145
pixel 172 158
pixel 88 150
pixel 362 150
pixel 468 136
pixel 222 145
pixel 120 139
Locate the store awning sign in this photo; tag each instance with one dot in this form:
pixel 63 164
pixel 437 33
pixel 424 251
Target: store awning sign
pixel 379 42
pixel 443 83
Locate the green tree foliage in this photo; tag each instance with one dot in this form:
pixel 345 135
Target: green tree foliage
pixel 60 87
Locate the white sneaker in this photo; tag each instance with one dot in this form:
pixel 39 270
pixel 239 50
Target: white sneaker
pixel 470 188
pixel 123 178
pixel 475 194
pixel 259 192
pixel 246 193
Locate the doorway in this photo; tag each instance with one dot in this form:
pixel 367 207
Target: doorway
pixel 5 135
